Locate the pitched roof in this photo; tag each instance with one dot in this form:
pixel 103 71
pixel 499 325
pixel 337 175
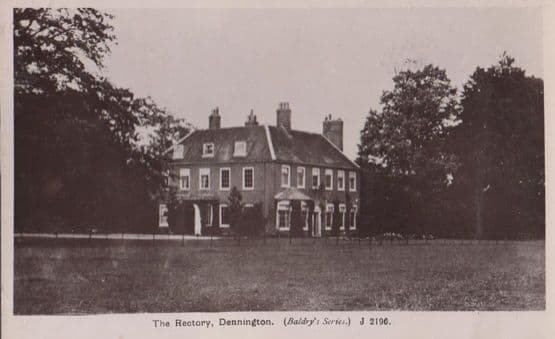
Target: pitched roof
pixel 307 148
pixel 224 141
pixel 265 143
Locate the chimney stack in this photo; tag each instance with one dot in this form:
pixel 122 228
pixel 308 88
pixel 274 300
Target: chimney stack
pixel 284 116
pixel 214 119
pixel 333 131
pixel 251 119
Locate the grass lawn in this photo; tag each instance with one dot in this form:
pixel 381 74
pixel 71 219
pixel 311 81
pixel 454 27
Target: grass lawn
pixel 78 276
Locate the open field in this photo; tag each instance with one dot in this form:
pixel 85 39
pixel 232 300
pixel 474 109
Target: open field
pixel 60 276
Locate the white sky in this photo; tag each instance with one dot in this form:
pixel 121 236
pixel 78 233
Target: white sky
pixel 321 61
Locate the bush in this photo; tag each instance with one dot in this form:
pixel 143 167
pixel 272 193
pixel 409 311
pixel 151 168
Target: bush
pixel 297 222
pixel 235 201
pixel 253 220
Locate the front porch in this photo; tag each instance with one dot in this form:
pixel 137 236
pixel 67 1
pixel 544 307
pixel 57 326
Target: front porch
pixel 297 214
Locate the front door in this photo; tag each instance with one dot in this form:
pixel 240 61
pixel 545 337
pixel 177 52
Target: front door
pixel 317 225
pixel 197 220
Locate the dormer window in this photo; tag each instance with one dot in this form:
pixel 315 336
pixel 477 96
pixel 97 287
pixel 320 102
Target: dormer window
pixel 177 152
pixel 240 149
pixel 208 150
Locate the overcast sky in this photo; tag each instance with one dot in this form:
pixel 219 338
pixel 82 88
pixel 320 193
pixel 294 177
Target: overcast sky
pixel 322 61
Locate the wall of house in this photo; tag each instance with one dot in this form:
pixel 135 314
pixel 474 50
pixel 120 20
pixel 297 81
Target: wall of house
pixel 328 196
pixel 253 195
pixel 267 183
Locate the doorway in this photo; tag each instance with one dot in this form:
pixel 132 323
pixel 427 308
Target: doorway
pixel 317 223
pixel 197 219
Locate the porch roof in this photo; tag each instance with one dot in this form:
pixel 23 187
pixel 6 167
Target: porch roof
pixel 291 194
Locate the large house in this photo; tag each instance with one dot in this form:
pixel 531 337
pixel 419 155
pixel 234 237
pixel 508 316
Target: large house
pixel 270 165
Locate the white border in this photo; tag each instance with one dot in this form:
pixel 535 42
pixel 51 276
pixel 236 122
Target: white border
pixel 407 324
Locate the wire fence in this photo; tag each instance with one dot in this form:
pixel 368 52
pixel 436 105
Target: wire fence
pixel 265 240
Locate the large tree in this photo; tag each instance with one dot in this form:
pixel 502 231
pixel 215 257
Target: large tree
pixel 500 143
pixel 403 146
pixel 80 152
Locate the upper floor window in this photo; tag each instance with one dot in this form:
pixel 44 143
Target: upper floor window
pixel 329 179
pixel 225 178
pixel 240 149
pixel 300 177
pixel 341 180
pixel 185 178
pixel 315 178
pixel 285 176
pixel 204 178
pixel 248 178
pixel 352 181
pixel 208 150
pixel 178 152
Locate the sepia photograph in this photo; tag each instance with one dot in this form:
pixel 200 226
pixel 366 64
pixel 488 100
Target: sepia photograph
pixel 180 160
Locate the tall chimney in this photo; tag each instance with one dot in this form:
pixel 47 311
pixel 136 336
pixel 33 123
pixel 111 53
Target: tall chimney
pixel 251 119
pixel 333 131
pixel 214 119
pixel 284 116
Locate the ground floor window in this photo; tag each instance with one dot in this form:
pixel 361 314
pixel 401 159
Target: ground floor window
pixel 342 212
pixel 283 215
pixel 352 218
pixel 163 215
pixel 328 220
pixel 224 215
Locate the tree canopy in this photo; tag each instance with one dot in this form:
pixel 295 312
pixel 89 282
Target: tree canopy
pixel 86 151
pixel 405 142
pixel 500 144
pixel 472 166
